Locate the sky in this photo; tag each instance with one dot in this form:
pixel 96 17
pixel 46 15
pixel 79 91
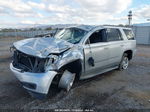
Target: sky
pixel 23 13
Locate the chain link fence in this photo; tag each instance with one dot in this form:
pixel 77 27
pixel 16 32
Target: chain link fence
pixel 27 34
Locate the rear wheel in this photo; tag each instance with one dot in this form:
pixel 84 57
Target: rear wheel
pixel 124 62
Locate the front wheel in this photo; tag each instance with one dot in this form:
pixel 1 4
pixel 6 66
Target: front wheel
pixel 66 80
pixel 124 62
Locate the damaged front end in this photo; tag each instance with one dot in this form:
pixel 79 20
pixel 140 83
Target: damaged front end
pixel 28 63
pixel 36 62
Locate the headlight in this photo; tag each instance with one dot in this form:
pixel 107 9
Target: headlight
pixel 53 59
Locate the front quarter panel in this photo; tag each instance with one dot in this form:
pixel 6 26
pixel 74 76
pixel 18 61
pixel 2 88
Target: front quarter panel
pixel 71 55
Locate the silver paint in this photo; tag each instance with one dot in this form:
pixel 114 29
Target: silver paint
pixel 42 47
pixel 107 55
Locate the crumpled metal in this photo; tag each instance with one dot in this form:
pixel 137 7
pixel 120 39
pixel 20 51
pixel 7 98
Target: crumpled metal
pixel 42 47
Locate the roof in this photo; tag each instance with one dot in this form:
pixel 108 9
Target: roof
pixel 142 24
pixel 91 27
pixel 84 27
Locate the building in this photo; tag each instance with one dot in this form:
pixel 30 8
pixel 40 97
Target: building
pixel 142 33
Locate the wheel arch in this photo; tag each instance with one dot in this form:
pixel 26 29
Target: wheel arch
pixel 129 54
pixel 73 67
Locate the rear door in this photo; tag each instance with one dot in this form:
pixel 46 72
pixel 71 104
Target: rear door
pixel 116 45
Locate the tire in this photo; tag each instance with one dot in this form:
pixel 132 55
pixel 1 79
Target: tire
pixel 124 62
pixel 67 80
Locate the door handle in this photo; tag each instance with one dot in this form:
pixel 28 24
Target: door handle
pixel 122 45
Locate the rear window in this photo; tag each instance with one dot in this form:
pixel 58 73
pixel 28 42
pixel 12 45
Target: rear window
pixel 129 34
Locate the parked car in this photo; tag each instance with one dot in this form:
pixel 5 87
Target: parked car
pixel 78 52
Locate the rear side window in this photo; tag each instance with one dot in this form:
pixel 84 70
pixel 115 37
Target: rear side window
pixel 129 34
pixel 113 34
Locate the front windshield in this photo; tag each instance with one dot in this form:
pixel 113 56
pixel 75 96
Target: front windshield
pixel 72 35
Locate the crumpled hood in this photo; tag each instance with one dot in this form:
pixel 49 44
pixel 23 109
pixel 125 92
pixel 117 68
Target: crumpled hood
pixel 42 47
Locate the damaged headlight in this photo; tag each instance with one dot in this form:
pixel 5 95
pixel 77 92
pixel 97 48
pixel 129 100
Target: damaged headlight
pixel 50 63
pixel 53 59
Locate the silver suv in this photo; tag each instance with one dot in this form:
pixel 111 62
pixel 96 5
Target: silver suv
pixel 77 52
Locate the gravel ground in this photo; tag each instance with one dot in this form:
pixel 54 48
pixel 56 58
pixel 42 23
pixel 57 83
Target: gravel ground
pixel 128 89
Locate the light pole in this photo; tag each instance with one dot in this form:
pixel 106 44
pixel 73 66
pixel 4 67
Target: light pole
pixel 130 17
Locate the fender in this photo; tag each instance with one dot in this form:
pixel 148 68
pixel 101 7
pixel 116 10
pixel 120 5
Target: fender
pixel 71 55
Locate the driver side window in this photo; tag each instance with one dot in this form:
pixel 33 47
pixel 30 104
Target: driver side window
pixel 97 37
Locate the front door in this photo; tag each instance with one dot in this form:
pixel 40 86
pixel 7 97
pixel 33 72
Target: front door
pixel 96 52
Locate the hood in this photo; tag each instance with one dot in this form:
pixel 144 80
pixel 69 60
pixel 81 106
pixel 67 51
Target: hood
pixel 42 47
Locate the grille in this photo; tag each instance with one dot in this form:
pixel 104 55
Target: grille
pixel 28 63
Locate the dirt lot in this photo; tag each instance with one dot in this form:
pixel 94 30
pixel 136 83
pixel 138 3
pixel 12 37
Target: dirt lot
pixel 129 89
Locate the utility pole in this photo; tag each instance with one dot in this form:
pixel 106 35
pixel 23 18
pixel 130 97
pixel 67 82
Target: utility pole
pixel 130 17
